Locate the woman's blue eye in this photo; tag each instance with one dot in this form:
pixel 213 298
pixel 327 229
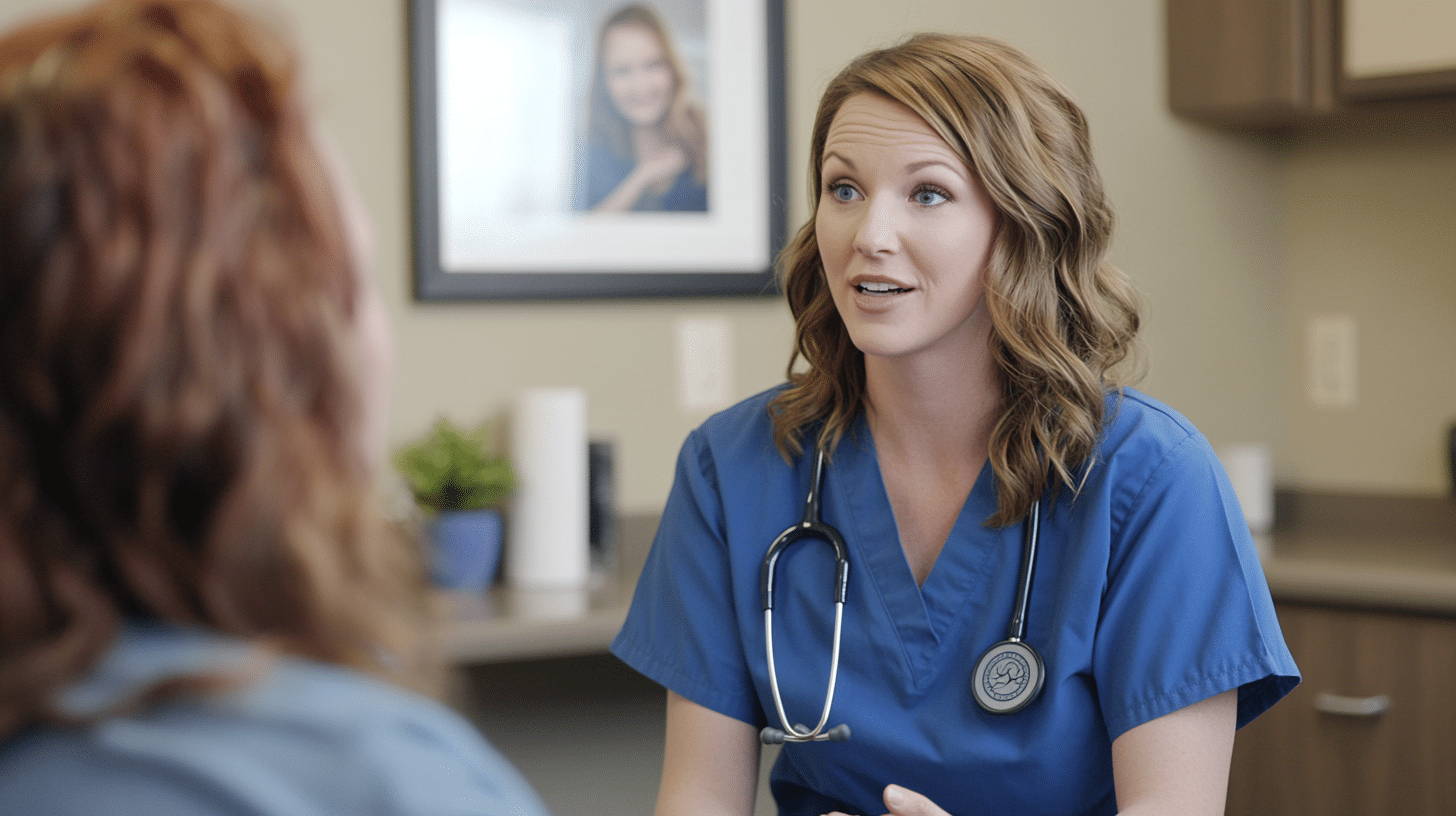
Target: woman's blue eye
pixel 927 197
pixel 842 192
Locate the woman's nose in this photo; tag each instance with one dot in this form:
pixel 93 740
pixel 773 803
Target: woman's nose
pixel 878 229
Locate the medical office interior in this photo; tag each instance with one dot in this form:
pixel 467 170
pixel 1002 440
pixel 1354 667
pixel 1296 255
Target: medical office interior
pixel 1297 262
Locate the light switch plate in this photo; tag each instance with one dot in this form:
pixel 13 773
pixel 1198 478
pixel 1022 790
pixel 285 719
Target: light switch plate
pixel 705 363
pixel 1331 353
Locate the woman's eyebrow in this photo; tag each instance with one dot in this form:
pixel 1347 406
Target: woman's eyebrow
pixel 954 167
pixel 912 167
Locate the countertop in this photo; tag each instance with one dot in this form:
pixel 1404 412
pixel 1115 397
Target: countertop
pixel 1380 552
pixel 1374 552
pixel 509 623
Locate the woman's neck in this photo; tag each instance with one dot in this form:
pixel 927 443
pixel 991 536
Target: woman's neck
pixel 931 420
pixel 649 140
pixel 919 407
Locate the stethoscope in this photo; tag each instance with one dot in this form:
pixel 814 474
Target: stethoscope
pixel 1007 676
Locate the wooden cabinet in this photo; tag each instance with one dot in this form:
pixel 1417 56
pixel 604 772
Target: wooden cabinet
pixel 1257 62
pixel 1393 48
pixel 1279 62
pixel 1371 730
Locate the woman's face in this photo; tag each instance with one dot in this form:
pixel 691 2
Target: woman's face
pixel 639 78
pixel 904 229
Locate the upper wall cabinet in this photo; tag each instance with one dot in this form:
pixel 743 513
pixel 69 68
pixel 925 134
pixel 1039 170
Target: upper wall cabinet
pixel 1398 48
pixel 1277 62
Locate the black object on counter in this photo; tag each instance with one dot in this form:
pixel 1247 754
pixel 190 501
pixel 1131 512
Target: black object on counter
pixel 601 505
pixel 1451 455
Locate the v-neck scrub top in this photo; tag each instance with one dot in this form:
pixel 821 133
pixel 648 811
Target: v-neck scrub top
pixel 1148 596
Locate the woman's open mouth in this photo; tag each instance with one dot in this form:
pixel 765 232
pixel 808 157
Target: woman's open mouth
pixel 879 288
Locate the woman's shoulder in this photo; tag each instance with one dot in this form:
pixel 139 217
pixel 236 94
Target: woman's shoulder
pixel 1145 443
pixel 1134 418
pixel 749 418
pixel 737 437
pixel 420 753
pixel 1143 436
pixel 145 654
pixel 338 739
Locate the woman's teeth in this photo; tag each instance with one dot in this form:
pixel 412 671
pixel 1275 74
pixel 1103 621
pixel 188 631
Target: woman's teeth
pixel 875 288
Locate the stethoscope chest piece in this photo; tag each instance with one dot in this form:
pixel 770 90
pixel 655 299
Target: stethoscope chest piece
pixel 1007 677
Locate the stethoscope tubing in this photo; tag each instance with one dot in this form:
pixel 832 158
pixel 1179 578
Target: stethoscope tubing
pixel 796 732
pixel 1014 648
pixel 810 526
pixel 1016 631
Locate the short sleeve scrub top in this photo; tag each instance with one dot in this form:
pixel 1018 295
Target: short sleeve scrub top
pixel 1148 596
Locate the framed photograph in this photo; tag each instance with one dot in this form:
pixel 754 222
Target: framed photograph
pixel 596 148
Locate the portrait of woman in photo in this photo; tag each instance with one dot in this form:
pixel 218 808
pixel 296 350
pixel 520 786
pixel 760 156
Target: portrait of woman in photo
pixel 647 140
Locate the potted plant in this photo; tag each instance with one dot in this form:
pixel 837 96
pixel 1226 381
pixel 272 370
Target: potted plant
pixel 460 481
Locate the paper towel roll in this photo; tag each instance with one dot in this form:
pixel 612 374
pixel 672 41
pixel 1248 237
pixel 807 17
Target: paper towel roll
pixel 548 524
pixel 1251 470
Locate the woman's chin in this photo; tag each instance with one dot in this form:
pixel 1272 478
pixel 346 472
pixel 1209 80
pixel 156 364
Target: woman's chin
pixel 643 116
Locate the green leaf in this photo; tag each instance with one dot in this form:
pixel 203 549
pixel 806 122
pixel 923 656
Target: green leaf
pixel 453 469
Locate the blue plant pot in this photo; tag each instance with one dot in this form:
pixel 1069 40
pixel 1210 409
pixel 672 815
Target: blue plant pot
pixel 465 549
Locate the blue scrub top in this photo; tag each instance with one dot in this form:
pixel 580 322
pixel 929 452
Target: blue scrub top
pixel 605 170
pixel 1148 597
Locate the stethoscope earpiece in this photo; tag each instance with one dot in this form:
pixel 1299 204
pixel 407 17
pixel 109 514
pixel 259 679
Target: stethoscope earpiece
pixel 777 736
pixel 1006 679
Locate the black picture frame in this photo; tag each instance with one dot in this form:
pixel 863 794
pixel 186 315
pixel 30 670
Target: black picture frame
pixel 726 251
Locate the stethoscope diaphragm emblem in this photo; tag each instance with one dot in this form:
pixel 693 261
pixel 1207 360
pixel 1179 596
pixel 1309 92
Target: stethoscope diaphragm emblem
pixel 1008 677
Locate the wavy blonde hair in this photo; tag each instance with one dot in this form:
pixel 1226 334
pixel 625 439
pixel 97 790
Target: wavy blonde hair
pixel 181 402
pixel 1062 317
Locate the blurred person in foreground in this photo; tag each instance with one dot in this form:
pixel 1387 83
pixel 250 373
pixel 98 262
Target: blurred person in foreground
pixel 201 610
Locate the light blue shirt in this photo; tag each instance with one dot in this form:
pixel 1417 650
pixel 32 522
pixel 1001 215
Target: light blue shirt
pixel 304 739
pixel 1147 597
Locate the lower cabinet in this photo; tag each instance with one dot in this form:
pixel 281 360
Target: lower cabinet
pixel 1370 731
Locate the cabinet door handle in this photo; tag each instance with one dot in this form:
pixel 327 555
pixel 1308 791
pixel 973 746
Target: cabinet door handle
pixel 1351 706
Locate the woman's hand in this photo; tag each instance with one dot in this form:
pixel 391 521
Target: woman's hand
pixel 1178 763
pixel 661 170
pixel 906 802
pixel 655 173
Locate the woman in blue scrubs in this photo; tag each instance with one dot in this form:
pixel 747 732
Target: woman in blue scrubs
pixel 962 332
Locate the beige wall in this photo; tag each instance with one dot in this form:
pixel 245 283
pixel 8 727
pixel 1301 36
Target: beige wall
pixel 1372 233
pixel 1207 229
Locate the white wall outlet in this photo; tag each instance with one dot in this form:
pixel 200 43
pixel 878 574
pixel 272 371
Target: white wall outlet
pixel 704 363
pixel 1331 351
